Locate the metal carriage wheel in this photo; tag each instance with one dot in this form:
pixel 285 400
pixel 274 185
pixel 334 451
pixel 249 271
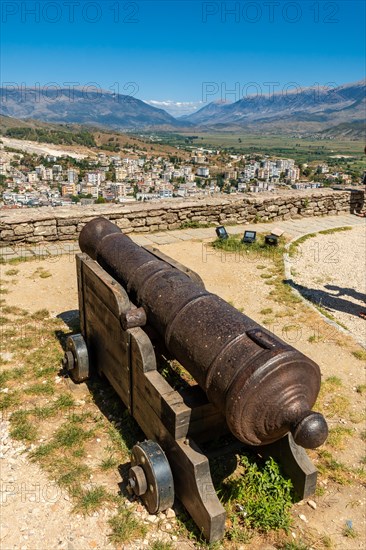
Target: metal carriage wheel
pixel 150 476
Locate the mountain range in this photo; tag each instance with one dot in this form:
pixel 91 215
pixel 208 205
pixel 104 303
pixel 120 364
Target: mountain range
pixel 339 110
pixel 79 106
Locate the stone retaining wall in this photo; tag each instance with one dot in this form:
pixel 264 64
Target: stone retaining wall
pixel 36 225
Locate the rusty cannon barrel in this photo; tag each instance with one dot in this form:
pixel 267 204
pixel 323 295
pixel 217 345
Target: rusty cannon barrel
pixel 264 387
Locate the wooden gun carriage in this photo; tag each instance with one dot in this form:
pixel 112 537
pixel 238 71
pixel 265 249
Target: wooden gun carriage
pixel 136 303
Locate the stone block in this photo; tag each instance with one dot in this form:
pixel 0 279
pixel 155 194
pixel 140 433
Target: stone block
pixel 45 230
pixel 142 229
pixel 23 229
pixel 139 222
pixel 152 221
pixel 123 223
pixel 48 222
pixel 6 233
pixel 67 221
pixel 67 230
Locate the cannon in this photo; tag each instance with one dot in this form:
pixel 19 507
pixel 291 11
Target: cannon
pixel 137 304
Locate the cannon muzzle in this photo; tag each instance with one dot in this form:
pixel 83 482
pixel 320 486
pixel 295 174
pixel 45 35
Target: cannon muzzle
pixel 264 387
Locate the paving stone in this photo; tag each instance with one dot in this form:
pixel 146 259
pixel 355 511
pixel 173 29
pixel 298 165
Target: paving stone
pixel 182 236
pixel 141 240
pixel 55 250
pixel 6 251
pixel 165 239
pixel 9 257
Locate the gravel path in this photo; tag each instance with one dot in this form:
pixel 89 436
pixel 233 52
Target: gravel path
pixel 36 513
pixel 330 270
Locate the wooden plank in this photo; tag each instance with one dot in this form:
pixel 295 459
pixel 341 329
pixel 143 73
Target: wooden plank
pixel 111 293
pixel 108 345
pixel 206 421
pixel 165 402
pixel 148 384
pixel 190 468
pixel 142 351
pixel 191 472
pixel 80 258
pixel 194 487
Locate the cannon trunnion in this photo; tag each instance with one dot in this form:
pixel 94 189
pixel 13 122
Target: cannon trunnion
pixel 249 382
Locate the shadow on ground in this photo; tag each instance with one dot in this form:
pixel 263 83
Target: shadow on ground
pixel 330 301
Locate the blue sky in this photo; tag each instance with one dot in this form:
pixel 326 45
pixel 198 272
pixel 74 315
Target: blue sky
pixel 186 53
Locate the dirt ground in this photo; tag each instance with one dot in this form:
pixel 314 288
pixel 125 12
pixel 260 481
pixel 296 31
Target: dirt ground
pixel 51 284
pixel 330 270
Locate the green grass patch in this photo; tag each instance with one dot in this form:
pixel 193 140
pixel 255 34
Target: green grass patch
pixel 335 230
pixel 42 273
pixel 258 249
pixel 336 405
pixel 338 436
pixel 91 500
pixel 359 354
pixel 22 259
pixel 333 382
pixel 125 527
pixel 4 377
pixel 328 315
pixel 160 545
pixel 41 389
pixel 22 428
pixel 18 373
pixel 108 463
pixel 11 272
pixel 41 413
pixel 45 359
pixel 357 417
pixel 333 469
pixel 294 246
pixel 195 225
pixel 264 495
pixel 79 453
pixel 70 434
pixel 40 315
pixel 349 532
pixel 295 545
pixel 331 400
pixel 73 474
pixel 9 400
pixel 14 310
pixel 64 401
pixel 43 451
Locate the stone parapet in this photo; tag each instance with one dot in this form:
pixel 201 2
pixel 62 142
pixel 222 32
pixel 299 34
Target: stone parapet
pixel 37 225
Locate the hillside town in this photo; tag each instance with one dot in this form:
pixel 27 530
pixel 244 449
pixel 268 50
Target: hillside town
pixel 33 180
